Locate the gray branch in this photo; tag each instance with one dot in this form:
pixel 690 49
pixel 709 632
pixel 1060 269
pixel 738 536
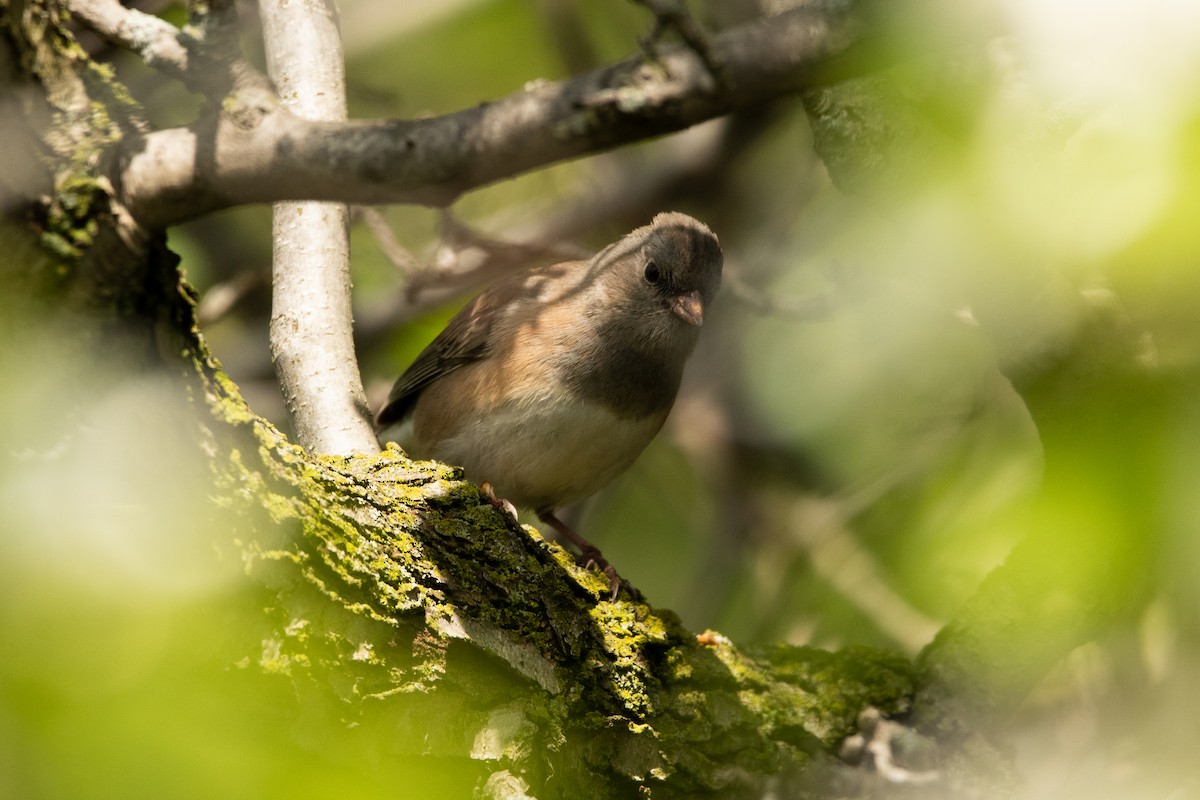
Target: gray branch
pixel 312 344
pixel 157 42
pixel 176 174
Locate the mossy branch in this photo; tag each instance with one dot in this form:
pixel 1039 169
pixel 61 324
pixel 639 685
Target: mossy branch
pixel 401 581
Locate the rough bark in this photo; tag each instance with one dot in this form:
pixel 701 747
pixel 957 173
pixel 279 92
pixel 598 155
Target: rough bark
pixel 420 597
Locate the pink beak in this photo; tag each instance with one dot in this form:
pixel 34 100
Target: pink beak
pixel 688 307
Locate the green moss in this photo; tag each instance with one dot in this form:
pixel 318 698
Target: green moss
pixel 831 688
pixel 71 225
pixel 89 113
pixel 627 630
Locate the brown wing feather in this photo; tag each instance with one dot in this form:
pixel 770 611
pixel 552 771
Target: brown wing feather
pixel 465 339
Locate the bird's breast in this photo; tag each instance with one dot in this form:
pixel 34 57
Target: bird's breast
pixel 546 449
pixel 558 409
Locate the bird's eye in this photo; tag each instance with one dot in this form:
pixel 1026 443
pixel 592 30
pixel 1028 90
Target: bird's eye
pixel 652 272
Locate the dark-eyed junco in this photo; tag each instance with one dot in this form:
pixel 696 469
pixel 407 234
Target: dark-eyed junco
pixel 550 383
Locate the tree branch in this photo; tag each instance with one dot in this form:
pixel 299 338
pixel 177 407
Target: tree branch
pixel 312 343
pixel 157 42
pixel 176 174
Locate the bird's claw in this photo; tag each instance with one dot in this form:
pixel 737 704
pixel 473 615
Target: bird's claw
pixel 614 581
pixel 589 555
pixel 498 502
pixel 596 561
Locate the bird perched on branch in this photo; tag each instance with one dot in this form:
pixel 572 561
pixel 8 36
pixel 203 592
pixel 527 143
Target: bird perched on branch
pixel 550 383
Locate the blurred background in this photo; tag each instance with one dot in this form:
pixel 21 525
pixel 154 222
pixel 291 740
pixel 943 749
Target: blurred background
pixel 984 330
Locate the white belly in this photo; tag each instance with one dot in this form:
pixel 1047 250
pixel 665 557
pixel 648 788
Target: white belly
pixel 544 454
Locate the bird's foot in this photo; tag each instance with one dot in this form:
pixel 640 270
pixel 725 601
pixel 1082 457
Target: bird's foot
pixel 498 502
pixel 590 556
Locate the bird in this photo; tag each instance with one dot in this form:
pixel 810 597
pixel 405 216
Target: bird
pixel 551 382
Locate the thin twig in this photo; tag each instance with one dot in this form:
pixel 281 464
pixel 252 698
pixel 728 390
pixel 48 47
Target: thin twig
pixel 674 15
pixel 497 257
pixel 222 298
pixel 389 245
pixel 457 233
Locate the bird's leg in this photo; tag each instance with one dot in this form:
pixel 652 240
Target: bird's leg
pixel 588 550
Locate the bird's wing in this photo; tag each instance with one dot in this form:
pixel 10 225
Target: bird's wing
pixel 465 339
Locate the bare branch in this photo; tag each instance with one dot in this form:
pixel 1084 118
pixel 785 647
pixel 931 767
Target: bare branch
pixel 224 297
pixel 157 42
pixel 180 173
pixel 312 341
pixel 390 246
pixel 498 257
pixel 466 260
pixel 205 56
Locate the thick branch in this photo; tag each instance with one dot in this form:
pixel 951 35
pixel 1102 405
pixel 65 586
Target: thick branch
pixel 180 173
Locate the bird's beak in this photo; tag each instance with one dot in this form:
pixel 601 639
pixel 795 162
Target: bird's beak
pixel 688 307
